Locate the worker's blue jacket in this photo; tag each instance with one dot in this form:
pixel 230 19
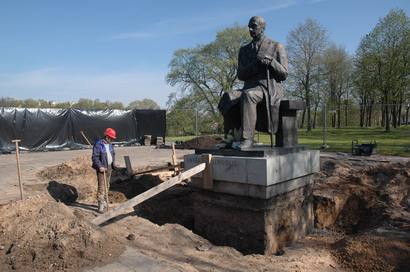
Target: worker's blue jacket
pixel 99 156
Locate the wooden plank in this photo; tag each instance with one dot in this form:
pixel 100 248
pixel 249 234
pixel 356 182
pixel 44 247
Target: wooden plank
pixel 174 157
pixel 162 168
pixel 18 167
pixel 128 165
pixel 148 194
pixel 85 137
pixel 207 177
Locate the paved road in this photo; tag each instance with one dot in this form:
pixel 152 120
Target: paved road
pixel 32 162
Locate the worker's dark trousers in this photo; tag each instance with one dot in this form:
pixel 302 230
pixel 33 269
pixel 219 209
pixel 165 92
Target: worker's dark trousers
pixel 249 100
pixel 100 180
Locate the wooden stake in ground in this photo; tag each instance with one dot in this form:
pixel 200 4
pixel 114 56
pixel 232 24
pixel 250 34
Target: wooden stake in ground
pixel 174 157
pixel 18 167
pixel 128 165
pixel 106 190
pixel 85 137
pixel 207 177
pixel 148 194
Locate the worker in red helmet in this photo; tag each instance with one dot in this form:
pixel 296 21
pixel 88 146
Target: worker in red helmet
pixel 103 159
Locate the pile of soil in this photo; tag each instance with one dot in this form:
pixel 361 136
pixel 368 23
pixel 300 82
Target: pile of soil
pixel 353 198
pixel 39 234
pixel 202 142
pixel 372 253
pixel 75 180
pixel 75 175
pixel 368 203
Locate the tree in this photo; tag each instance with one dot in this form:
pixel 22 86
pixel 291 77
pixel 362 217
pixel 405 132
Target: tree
pixel 383 65
pixel 305 45
pixel 144 104
pixel 337 70
pixel 205 72
pixel 84 104
pixel 181 117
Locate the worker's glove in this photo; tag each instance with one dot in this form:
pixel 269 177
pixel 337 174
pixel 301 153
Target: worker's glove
pixel 102 169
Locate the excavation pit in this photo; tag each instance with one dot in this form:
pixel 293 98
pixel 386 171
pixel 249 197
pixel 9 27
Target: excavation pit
pixel 268 210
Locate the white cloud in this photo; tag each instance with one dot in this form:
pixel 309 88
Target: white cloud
pixel 59 85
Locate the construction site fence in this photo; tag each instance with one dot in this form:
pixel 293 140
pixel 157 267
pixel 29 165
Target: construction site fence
pixel 195 122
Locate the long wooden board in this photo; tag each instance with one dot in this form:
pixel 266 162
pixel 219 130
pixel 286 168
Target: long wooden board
pixel 148 194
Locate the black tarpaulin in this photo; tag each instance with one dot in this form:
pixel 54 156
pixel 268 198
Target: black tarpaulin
pixel 53 129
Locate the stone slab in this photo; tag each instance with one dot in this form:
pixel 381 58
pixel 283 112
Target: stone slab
pixel 256 191
pixel 261 171
pixel 255 151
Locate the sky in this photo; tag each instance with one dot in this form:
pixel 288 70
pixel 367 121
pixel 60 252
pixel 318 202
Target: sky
pixel 120 50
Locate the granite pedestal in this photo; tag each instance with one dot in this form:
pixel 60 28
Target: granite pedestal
pixel 260 200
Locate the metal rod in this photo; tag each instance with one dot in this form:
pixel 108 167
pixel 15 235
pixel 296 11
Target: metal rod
pixel 196 121
pixel 269 101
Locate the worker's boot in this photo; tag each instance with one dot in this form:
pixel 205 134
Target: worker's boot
pixel 102 206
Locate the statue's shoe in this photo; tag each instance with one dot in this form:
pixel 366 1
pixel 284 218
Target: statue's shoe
pixel 245 144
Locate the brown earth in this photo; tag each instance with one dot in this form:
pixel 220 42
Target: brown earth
pixel 39 234
pixel 369 203
pixel 361 208
pixel 201 142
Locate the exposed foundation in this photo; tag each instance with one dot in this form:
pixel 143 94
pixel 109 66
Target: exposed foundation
pixel 259 203
pixel 253 225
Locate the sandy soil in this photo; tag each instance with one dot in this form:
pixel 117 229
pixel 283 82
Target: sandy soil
pixel 362 218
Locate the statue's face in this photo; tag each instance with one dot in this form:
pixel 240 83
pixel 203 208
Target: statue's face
pixel 255 29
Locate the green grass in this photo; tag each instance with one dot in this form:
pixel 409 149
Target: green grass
pixel 396 142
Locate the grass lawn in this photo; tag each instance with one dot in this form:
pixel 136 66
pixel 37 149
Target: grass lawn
pixel 397 142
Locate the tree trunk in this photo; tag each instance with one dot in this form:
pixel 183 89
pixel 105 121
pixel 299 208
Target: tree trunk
pixel 394 115
pixel 383 115
pixel 370 114
pixel 361 116
pixel 346 106
pixel 303 119
pixel 399 115
pixel 339 112
pixel 387 117
pixel 315 115
pixel 309 117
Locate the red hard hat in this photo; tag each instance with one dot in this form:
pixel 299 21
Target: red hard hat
pixel 110 133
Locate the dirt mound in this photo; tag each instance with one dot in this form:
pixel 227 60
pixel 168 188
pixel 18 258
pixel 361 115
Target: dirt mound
pixel 351 198
pixel 74 180
pixel 372 253
pixel 79 166
pixel 361 198
pixel 202 142
pixel 76 173
pixel 42 235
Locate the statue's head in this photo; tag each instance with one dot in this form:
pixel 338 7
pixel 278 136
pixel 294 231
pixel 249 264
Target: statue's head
pixel 256 27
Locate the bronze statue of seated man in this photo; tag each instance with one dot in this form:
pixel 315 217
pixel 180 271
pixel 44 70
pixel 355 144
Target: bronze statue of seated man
pixel 262 65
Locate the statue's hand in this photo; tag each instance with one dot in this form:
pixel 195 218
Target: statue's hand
pixel 265 60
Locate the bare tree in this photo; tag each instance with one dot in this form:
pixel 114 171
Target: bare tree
pixel 305 45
